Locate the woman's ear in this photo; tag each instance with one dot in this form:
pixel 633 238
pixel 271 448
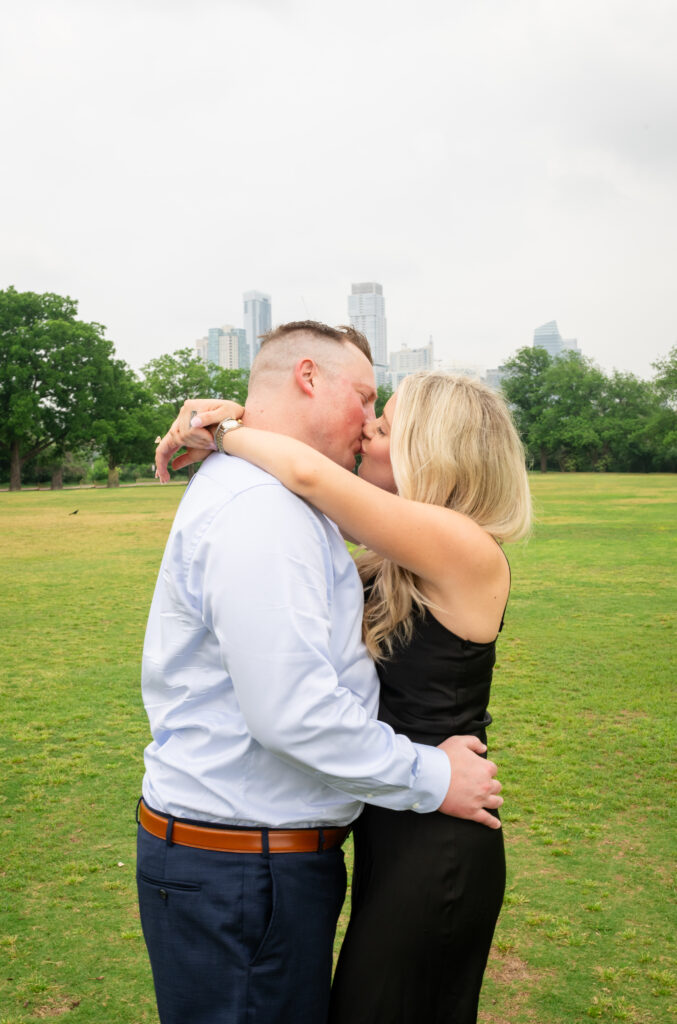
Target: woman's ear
pixel 305 373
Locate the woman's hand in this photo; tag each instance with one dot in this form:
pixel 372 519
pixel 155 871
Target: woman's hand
pixel 190 430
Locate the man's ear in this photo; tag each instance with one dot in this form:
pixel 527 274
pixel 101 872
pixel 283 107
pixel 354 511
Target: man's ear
pixel 305 374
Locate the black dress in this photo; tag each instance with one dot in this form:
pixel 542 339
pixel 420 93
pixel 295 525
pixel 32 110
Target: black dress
pixel 427 888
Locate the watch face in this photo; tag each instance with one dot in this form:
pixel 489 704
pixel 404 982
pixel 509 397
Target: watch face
pixel 223 428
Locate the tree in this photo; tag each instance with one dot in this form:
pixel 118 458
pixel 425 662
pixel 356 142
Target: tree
pixel 626 413
pixel 568 410
pixel 383 393
pixel 664 424
pixel 50 364
pixel 232 384
pixel 665 380
pixel 526 389
pixel 173 378
pixel 126 419
pixel 569 425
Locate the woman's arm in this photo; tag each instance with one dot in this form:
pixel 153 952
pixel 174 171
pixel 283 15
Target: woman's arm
pixel 444 548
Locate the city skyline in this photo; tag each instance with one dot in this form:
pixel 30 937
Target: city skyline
pixel 518 165
pixel 228 346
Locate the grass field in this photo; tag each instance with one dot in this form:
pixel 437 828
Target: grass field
pixel 584 736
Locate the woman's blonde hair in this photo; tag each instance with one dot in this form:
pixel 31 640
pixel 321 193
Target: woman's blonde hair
pixel 453 443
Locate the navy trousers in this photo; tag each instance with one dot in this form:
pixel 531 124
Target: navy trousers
pixel 239 938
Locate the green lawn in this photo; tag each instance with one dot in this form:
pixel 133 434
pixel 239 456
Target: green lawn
pixel 583 708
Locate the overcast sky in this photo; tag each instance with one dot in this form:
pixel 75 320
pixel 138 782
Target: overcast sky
pixel 494 164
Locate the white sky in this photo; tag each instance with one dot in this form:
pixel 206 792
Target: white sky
pixel 493 163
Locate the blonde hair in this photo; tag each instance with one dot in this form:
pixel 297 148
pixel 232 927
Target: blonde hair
pixel 453 443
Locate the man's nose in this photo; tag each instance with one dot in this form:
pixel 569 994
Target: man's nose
pixel 368 427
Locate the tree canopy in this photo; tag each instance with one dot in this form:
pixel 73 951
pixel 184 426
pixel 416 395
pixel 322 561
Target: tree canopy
pixel 126 419
pixel 52 366
pixel 383 393
pixel 572 416
pixel 173 378
pixel 66 399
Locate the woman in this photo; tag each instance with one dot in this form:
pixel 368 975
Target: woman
pixel 441 483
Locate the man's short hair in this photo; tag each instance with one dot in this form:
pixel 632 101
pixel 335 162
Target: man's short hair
pixel 341 334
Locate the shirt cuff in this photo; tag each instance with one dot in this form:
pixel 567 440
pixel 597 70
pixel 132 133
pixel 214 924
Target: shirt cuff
pixel 433 775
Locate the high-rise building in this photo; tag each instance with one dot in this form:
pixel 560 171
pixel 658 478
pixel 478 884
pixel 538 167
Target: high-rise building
pixel 366 310
pixel 229 347
pixel 548 337
pixel 243 358
pixel 225 346
pixel 257 320
pixel 214 345
pixel 410 360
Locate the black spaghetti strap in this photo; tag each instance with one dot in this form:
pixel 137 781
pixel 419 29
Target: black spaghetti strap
pixel 500 628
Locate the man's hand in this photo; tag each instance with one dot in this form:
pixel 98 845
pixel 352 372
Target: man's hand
pixel 474 788
pixel 190 432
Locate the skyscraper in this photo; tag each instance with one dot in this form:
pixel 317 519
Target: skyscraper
pixel 257 320
pixel 366 310
pixel 214 345
pixel 202 349
pixel 225 346
pixel 230 344
pixel 548 337
pixel 243 359
pixel 410 360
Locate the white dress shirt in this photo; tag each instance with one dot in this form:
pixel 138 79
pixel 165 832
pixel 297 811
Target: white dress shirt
pixel 259 690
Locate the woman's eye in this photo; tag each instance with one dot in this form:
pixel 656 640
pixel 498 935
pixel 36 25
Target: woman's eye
pixel 380 430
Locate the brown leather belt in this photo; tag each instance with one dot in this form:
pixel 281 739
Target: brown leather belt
pixel 230 840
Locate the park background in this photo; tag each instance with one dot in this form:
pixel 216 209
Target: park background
pixel 496 164
pixel 583 705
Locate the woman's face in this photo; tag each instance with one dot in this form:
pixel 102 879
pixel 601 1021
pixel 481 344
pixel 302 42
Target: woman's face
pixel 375 466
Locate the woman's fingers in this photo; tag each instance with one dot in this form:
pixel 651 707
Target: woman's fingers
pixel 190 456
pixel 190 430
pixel 167 447
pixel 198 414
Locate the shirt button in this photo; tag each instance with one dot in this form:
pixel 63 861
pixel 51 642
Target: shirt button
pixel 162 894
pixel 415 806
pixel 370 796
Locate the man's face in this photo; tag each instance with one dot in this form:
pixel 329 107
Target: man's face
pixel 345 402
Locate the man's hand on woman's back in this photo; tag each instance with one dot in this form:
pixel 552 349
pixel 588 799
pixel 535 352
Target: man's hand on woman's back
pixel 474 789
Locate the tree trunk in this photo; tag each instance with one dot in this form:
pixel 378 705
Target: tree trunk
pixel 15 468
pixel 544 461
pixel 57 479
pixel 113 476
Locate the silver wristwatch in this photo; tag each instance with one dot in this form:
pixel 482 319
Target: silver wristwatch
pixel 223 428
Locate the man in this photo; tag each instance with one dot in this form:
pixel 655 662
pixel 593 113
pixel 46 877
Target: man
pixel 260 697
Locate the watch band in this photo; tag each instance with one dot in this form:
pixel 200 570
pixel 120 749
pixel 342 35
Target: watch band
pixel 224 427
